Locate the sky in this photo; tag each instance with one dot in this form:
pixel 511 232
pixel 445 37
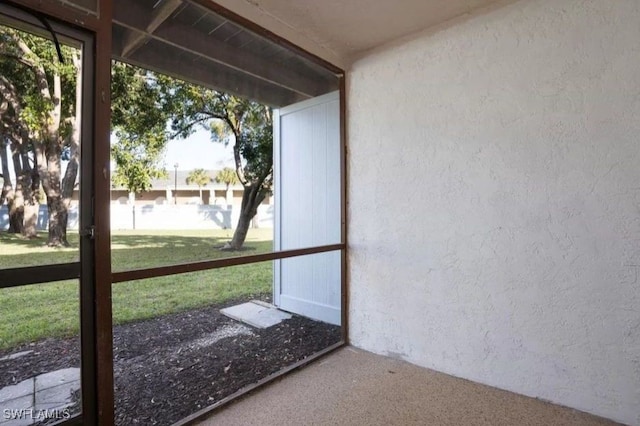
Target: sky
pixel 197 151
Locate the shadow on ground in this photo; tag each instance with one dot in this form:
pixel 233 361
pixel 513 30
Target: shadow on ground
pixel 128 251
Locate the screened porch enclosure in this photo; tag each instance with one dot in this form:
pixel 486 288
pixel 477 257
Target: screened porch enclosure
pixel 155 298
pixel 188 41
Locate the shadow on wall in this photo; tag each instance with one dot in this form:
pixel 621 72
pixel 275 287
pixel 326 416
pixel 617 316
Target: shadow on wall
pixel 153 216
pixel 184 216
pixel 222 217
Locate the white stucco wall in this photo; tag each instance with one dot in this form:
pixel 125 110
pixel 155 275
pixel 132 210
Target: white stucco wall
pixel 494 202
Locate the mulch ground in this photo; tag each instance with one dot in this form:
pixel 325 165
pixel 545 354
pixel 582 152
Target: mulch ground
pixel 172 366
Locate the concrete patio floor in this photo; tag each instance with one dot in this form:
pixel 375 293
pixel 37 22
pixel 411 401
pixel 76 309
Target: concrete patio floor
pixel 353 387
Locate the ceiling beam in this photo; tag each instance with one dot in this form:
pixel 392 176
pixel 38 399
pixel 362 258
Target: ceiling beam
pixel 211 76
pixel 242 61
pixel 159 14
pixel 198 43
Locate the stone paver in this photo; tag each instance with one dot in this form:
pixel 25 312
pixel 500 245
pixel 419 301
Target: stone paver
pixel 19 413
pixel 23 388
pixel 57 378
pixel 28 400
pixel 57 397
pixel 258 315
pixel 24 420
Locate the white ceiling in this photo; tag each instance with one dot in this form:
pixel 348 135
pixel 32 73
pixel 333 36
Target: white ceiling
pixel 344 29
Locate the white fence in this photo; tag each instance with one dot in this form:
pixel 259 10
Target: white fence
pixel 43 218
pixel 161 217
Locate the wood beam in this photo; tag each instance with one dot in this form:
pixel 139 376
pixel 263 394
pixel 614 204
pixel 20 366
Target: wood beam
pixel 241 61
pixel 160 14
pixel 212 76
pixel 225 13
pixel 90 6
pixel 198 43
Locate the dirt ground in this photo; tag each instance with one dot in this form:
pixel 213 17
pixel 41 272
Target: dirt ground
pixel 169 367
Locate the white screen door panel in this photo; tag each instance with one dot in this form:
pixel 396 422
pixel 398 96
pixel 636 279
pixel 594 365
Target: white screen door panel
pixel 307 202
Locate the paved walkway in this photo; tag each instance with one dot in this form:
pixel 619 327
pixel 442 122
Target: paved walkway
pixel 39 398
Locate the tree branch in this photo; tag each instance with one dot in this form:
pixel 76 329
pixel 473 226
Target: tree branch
pixel 186 127
pixel 41 76
pixel 10 95
pixel 71 173
pixel 236 146
pixel 24 61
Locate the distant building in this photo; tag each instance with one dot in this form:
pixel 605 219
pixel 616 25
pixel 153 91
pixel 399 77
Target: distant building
pixel 175 190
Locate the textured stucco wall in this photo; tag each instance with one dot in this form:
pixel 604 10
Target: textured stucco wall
pixel 494 202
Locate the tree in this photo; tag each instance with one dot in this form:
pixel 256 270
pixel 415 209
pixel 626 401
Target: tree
pixel 139 123
pixel 144 102
pixel 200 178
pixel 227 176
pixel 248 124
pixel 14 206
pixel 44 93
pixel 23 198
pixel 41 120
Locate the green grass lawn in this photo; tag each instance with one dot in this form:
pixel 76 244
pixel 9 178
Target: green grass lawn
pixel 39 311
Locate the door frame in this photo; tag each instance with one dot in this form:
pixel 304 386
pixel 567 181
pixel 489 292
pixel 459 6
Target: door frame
pixel 83 269
pixel 98 406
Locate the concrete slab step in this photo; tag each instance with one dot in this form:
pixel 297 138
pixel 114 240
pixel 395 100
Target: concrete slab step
pixel 259 315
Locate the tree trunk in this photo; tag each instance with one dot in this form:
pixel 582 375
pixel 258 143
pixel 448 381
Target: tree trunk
pixel 22 200
pixel 30 228
pixel 16 202
pixel 16 217
pixel 58 216
pixel 240 234
pixel 252 196
pixel 56 207
pixel 71 173
pixel 7 186
pixel 13 196
pixel 59 193
pixel 31 186
pixel 68 185
pixel 4 169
